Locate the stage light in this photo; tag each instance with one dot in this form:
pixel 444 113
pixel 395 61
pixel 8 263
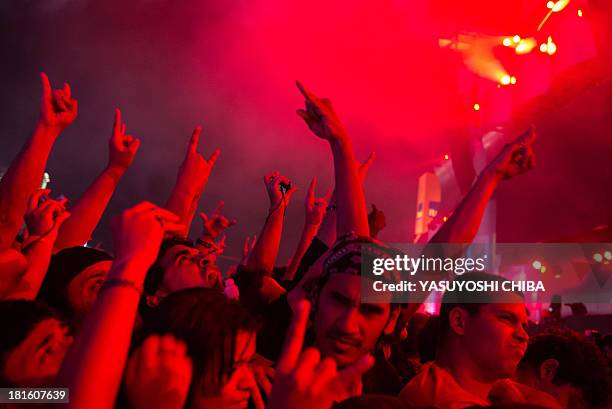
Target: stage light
pixel 557 275
pixel 597 257
pixel 537 265
pixel 560 5
pixel 579 13
pixel 549 47
pixel 446 157
pixel 516 38
pixel 507 42
pixel 543 269
pixel 505 80
pixel 525 45
pixel 608 255
pixel 444 219
pixel 513 80
pixel 476 107
pixel 554 8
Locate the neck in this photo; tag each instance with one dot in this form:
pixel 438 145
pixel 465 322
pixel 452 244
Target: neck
pixel 465 371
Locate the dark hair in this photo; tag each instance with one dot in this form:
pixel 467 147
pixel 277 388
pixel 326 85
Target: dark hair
pixel 581 363
pixel 205 320
pixel 63 268
pixel 17 319
pixel 606 341
pixel 471 301
pixel 427 341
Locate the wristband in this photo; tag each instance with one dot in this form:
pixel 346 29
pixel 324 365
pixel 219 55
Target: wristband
pixel 112 282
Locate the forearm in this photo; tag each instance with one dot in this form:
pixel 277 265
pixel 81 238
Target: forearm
pixel 38 254
pixel 309 232
pixel 350 200
pixel 327 231
pixel 94 364
pixel 183 203
pixel 190 215
pixel 86 213
pixel 463 224
pixel 21 180
pixel 263 256
pixel 460 228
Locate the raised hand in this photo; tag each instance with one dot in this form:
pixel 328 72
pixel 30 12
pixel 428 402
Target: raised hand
pixel 273 182
pixel 195 170
pixel 320 116
pixel 377 221
pixel 122 146
pixel 315 206
pixel 57 107
pixel 247 248
pixel 138 233
pixel 516 157
pixel 213 226
pixel 305 381
pixel 364 167
pixel 264 372
pixel 44 215
pixel 158 374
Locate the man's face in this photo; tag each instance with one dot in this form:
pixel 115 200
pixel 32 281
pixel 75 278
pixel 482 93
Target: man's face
pixel 83 289
pixel 37 360
pixel 345 328
pixel 187 267
pixel 496 338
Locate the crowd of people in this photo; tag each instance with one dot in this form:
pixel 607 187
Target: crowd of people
pixel 156 324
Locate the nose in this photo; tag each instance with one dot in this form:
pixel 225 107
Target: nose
pixel 521 334
pixel 348 321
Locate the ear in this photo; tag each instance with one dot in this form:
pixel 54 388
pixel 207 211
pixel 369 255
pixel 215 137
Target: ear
pixel 390 327
pixel 456 320
pixel 548 369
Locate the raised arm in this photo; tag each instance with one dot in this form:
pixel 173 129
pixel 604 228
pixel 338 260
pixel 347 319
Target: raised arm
pixel 57 110
pixel 314 213
pixel 190 182
pixel 96 360
pixel 86 213
pixel 264 254
pixel 350 201
pixel 461 227
pixel 514 159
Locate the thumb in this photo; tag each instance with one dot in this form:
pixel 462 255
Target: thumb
pixel 61 218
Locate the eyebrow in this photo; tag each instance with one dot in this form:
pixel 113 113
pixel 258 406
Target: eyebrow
pixel 515 316
pixel 181 253
pixel 340 296
pixel 373 308
pixel 97 275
